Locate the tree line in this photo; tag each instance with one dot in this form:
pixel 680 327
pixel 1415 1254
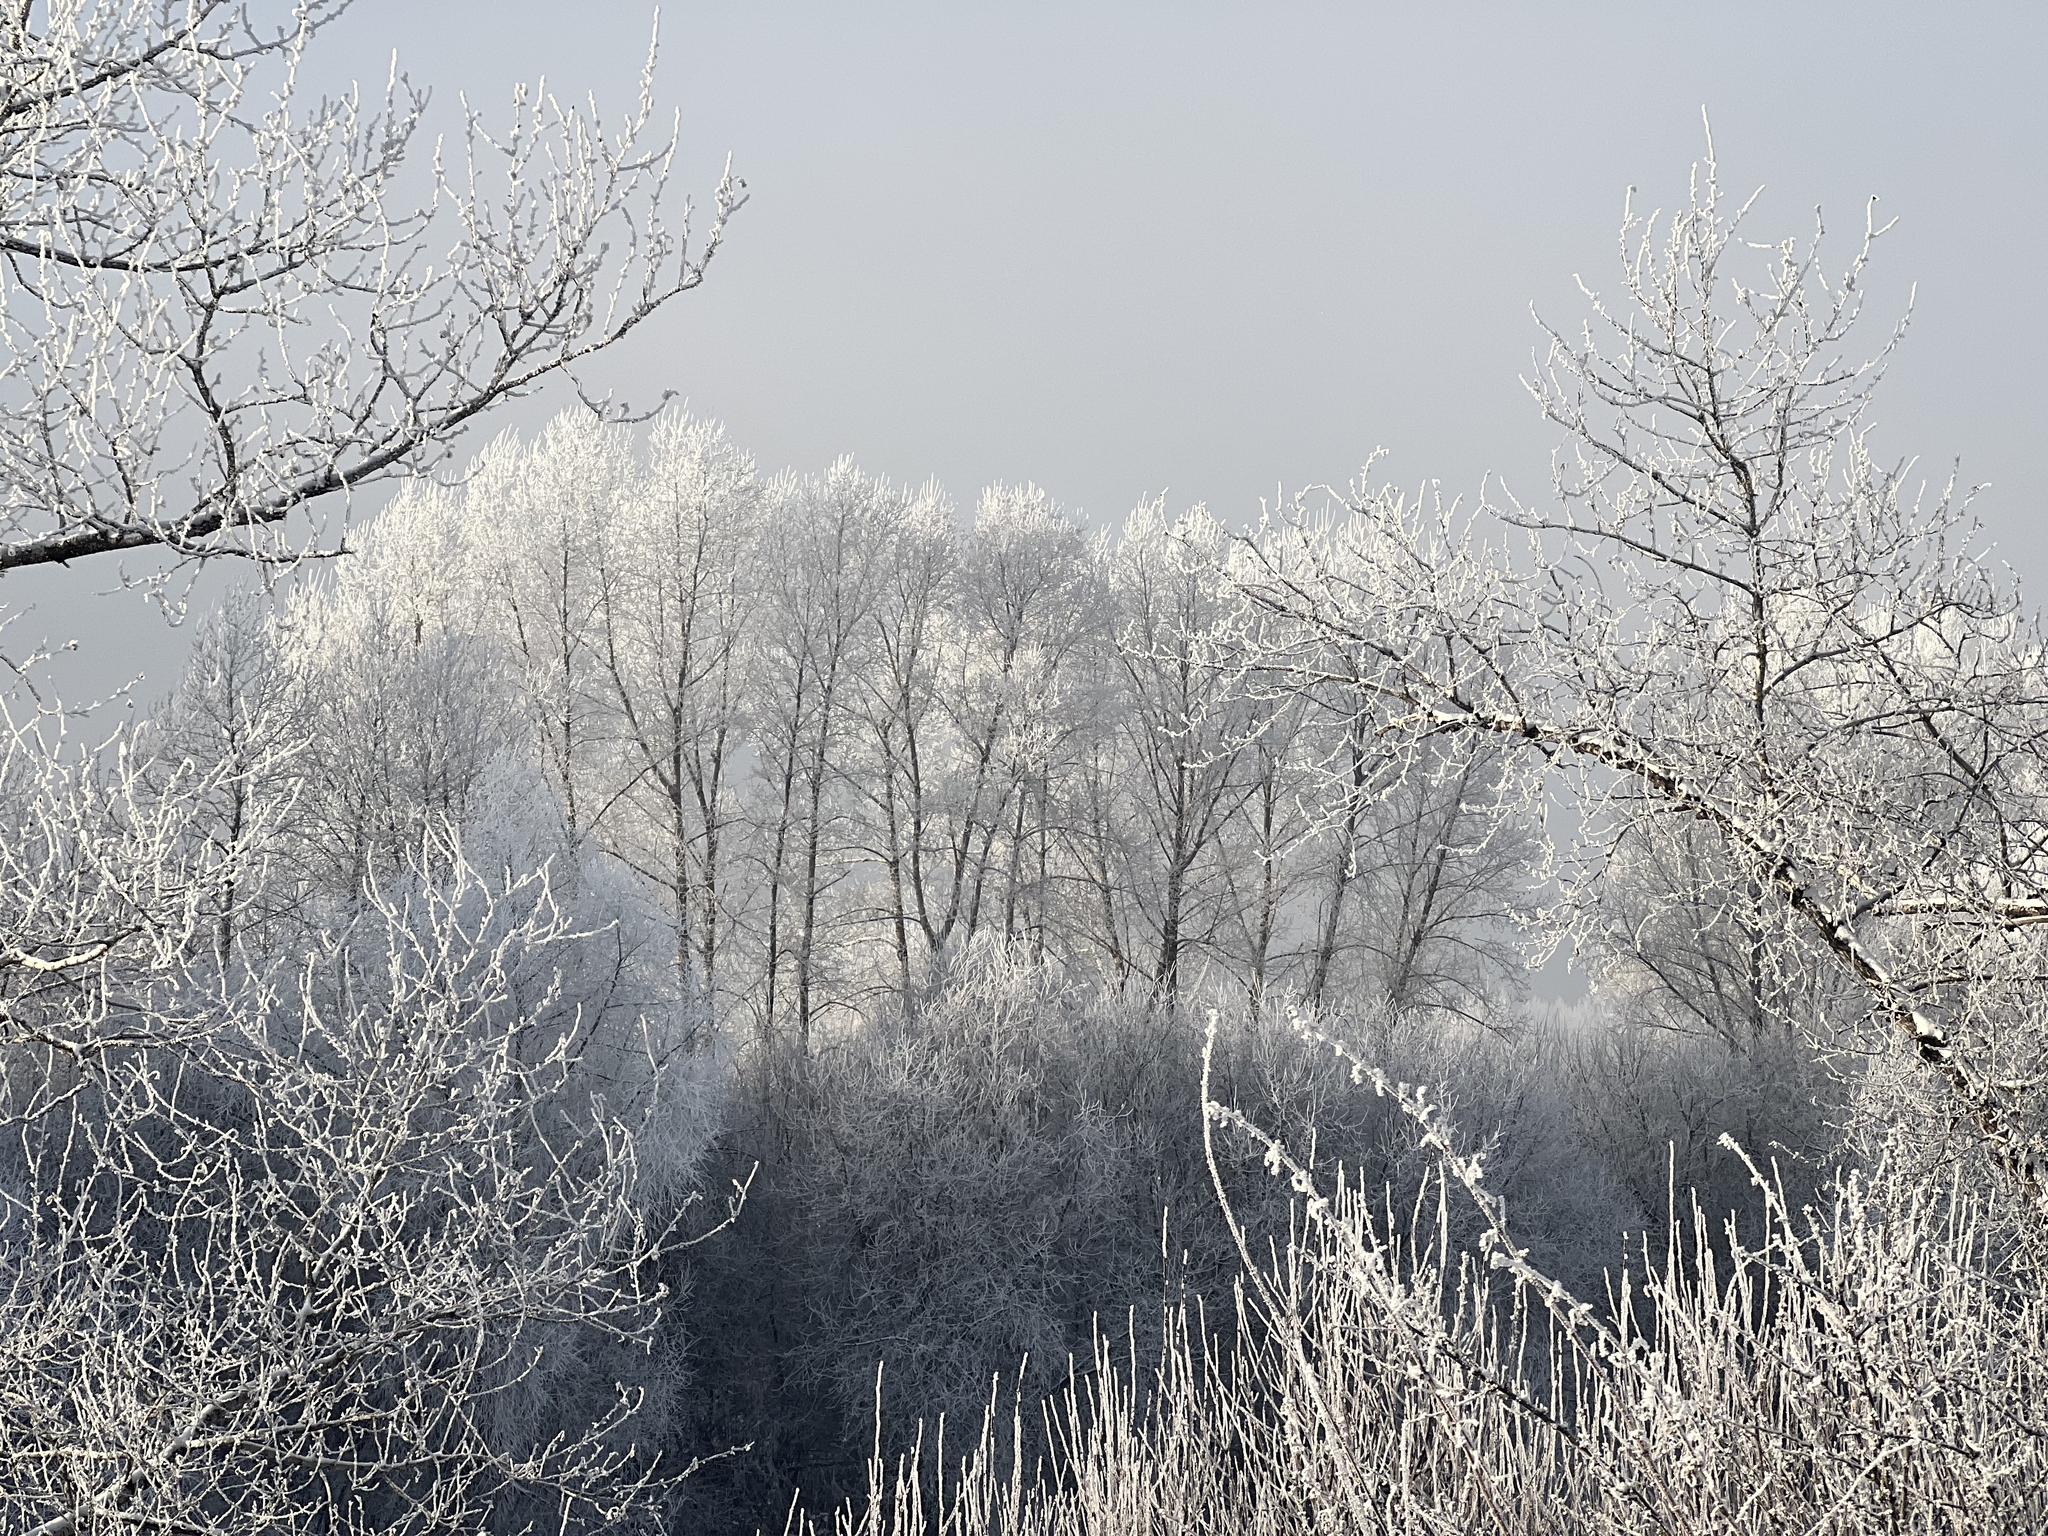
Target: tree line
pixel 835 738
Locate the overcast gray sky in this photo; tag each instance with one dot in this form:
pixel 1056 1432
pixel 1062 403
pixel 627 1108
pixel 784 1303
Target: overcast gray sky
pixel 1203 249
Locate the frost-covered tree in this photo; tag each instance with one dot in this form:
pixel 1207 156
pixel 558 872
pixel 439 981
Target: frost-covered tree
pixel 1181 722
pixel 404 705
pixel 175 214
pixel 534 527
pixel 1734 630
pixel 814 642
pixel 1026 611
pixel 238 711
pixel 347 1119
pixel 897 710
pixel 677 588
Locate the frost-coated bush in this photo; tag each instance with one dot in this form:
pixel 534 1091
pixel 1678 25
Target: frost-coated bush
pixel 325 1205
pixel 300 1261
pixel 984 1188
pixel 1875 1364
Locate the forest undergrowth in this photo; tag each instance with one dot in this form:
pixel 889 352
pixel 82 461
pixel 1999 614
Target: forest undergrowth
pixel 1864 1358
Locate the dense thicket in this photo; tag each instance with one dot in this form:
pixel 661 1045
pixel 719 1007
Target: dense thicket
pixel 1101 957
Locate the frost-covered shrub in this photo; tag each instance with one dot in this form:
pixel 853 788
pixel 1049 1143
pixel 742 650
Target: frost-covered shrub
pixel 303 1240
pixel 981 1190
pixel 1872 1363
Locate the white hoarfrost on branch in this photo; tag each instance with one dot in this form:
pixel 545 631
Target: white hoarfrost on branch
pixel 220 304
pixel 278 1272
pixel 1734 625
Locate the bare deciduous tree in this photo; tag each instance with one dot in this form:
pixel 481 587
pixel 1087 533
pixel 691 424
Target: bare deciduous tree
pixel 814 640
pixel 218 305
pixel 1183 722
pixel 1737 618
pixel 677 597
